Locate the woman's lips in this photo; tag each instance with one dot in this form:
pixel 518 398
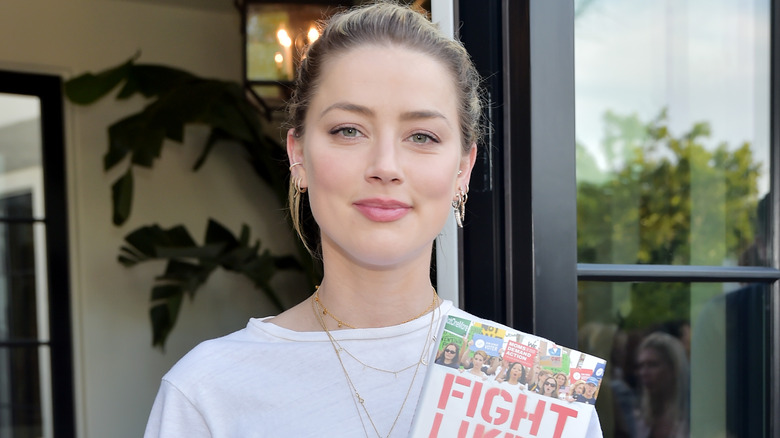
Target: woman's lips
pixel 381 210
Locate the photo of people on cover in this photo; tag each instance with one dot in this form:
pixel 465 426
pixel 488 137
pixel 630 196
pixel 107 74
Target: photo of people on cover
pixel 523 361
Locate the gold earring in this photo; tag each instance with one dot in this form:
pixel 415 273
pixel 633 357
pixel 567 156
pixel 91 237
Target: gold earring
pixel 298 186
pixel 459 205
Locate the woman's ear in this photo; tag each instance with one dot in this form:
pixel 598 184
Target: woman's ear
pixel 295 155
pixel 294 147
pixel 465 168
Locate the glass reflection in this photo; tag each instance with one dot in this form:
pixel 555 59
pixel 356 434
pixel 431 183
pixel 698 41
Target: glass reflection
pixel 677 368
pixel 672 131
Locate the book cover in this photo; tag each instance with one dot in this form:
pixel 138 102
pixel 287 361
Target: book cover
pixel 489 380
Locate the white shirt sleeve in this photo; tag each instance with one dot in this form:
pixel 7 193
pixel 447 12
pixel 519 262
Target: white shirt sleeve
pixel 173 416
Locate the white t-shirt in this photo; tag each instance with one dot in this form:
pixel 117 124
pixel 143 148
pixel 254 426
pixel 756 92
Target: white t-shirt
pixel 268 381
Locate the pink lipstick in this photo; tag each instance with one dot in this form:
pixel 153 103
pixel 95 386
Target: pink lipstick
pixel 382 210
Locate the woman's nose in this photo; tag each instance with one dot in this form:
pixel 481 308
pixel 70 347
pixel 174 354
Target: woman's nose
pixel 384 161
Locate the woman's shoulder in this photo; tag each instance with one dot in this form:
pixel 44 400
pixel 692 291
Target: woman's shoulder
pixel 248 348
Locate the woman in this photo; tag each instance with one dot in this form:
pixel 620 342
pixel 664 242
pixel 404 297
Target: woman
pixel 537 384
pixel 663 374
pixel 550 388
pixel 384 124
pixel 575 390
pixel 384 120
pixel 515 375
pixel 561 379
pixel 479 359
pixel 449 356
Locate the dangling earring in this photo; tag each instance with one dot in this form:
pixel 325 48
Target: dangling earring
pixel 459 205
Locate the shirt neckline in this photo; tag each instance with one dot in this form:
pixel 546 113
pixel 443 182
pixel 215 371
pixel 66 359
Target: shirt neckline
pixel 256 325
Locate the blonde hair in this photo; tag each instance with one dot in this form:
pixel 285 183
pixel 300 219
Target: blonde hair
pixel 671 351
pixel 384 23
pixel 482 353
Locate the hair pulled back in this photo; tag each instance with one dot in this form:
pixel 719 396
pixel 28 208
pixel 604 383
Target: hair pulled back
pixel 384 23
pixel 387 24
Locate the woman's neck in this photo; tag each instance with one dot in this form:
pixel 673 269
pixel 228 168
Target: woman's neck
pixel 366 297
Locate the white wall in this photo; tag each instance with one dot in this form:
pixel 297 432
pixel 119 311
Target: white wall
pixel 117 371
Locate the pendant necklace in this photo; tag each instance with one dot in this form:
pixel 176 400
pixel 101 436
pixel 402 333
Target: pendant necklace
pixel 357 398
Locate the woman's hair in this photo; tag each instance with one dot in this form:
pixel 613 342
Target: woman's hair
pixel 482 353
pixel 457 352
pixel 565 377
pixel 575 385
pixel 384 24
pixel 509 370
pixel 671 351
pixel 555 385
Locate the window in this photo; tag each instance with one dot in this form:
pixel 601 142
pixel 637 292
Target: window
pixel 674 212
pixel 630 188
pixel 36 396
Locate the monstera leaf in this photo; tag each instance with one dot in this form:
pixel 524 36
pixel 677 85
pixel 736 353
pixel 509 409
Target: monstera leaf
pixel 190 265
pixel 178 98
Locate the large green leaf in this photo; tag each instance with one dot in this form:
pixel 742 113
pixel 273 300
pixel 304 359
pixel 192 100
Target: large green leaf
pixel 88 88
pixel 177 99
pixel 147 242
pixel 190 265
pixel 122 195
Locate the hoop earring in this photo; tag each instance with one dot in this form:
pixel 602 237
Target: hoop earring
pixel 459 206
pixel 298 188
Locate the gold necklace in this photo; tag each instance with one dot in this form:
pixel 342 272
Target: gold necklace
pixel 343 324
pixel 357 399
pixel 365 365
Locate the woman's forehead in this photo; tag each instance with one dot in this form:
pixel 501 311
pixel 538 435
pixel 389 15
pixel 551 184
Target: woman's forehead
pixel 373 78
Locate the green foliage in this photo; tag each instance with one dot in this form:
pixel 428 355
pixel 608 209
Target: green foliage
pixel 190 265
pixel 665 200
pixel 178 98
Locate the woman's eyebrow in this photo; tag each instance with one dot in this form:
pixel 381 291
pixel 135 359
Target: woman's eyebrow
pixel 350 107
pixel 366 111
pixel 423 114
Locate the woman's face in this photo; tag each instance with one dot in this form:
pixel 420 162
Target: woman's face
pixel 561 379
pixel 517 372
pixel 579 389
pixel 589 390
pixel 549 386
pixel 449 353
pixel 381 154
pixel 478 361
pixel 652 370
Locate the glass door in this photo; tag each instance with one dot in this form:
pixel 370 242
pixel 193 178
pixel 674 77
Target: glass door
pixel 675 201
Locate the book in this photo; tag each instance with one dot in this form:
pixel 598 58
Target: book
pixel 489 380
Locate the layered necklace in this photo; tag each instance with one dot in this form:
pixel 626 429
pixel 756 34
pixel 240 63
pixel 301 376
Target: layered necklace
pixel 319 311
pixel 345 324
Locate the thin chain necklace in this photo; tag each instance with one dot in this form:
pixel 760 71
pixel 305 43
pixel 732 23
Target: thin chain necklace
pixel 365 365
pixel 357 399
pixel 345 324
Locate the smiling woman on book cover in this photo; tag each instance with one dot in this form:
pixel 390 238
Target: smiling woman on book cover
pixel 383 127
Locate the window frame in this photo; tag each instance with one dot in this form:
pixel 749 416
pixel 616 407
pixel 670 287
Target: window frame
pixel 530 241
pixel 48 89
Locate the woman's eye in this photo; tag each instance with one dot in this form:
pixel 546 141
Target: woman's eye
pixel 421 138
pixel 347 131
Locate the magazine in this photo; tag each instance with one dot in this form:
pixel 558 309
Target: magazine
pixel 489 380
